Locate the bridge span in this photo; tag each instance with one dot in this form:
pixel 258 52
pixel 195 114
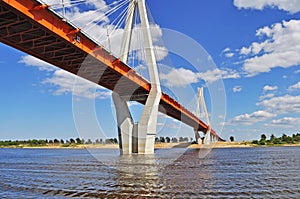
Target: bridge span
pixel 29 26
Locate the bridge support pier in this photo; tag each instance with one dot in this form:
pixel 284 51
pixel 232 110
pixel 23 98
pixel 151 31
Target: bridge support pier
pixel 139 138
pixel 207 138
pixel 197 137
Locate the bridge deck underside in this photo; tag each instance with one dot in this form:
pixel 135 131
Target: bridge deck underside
pixel 23 33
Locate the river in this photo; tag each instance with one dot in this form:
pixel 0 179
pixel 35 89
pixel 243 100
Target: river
pixel 271 172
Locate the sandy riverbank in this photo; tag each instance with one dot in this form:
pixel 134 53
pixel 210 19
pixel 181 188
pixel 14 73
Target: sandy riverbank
pixel 157 146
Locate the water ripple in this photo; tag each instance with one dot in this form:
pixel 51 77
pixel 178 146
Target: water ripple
pixel 224 173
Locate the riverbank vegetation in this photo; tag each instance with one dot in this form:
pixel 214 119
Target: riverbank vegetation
pixel 77 142
pixel 273 141
pixel 55 142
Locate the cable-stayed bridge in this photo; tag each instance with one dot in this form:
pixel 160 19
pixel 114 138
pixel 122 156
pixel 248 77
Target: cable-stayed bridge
pixel 32 27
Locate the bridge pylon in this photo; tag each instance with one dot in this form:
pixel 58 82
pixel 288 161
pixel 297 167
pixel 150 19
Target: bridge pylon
pixel 201 107
pixel 138 137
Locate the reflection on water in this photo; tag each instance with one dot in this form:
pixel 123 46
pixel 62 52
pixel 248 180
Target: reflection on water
pixel 101 173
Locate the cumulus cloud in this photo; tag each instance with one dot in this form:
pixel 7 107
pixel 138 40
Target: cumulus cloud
pixel 211 76
pixel 270 88
pixel 267 96
pixel 237 89
pixel 295 86
pixel 285 122
pixel 29 60
pixel 271 107
pixel 229 55
pixel 182 77
pixel 67 83
pixel 179 77
pixel 245 51
pixel 250 119
pixel 280 47
pixel 282 104
pixel 226 50
pixel 291 6
pixel 64 82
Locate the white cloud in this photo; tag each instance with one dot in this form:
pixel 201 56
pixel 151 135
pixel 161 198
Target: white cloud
pixel 226 50
pixel 211 76
pixel 280 47
pixel 161 52
pixel 133 103
pixel 295 86
pixel 267 96
pixel 237 89
pixel 182 77
pixel 291 6
pixel 285 122
pixel 245 51
pixel 282 104
pixel 63 81
pixel 140 68
pixel 67 83
pixel 250 119
pixel 229 55
pixel 270 88
pixel 29 60
pixel 297 71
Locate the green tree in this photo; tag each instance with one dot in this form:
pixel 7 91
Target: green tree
pixel 181 139
pixel 78 141
pixel 89 141
pixel 115 141
pixel 272 138
pixel 72 141
pixel 156 140
pixel 168 139
pixel 162 139
pixel 263 137
pixel 255 142
pixel 284 138
pixel 56 141
pixel 174 140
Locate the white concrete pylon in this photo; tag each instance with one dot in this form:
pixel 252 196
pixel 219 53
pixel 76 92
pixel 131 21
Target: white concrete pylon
pixel 125 124
pixel 201 108
pixel 143 133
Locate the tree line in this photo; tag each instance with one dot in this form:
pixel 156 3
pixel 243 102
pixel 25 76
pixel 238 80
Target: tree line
pixel 284 139
pixel 71 141
pixel 173 139
pixel 77 141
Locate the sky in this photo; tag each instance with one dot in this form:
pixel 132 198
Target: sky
pixel 254 44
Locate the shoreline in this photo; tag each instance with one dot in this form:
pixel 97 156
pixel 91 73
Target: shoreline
pixel 218 145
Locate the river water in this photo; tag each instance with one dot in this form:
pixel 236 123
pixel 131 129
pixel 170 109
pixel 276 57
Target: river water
pixel 101 173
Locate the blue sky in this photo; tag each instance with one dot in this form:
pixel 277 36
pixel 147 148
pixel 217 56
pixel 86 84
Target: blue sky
pixel 254 44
